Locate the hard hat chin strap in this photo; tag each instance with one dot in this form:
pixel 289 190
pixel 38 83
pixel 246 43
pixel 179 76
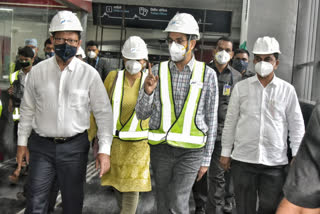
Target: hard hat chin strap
pixel 188 49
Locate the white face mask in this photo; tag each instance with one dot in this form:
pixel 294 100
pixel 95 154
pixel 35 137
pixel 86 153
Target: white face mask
pixel 222 57
pixel 92 54
pixel 263 68
pixel 177 52
pixel 133 66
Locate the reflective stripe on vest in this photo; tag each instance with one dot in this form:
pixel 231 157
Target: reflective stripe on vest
pixel 0 108
pixel 181 131
pixel 132 129
pixel 13 77
pixel 16 114
pixel 16 111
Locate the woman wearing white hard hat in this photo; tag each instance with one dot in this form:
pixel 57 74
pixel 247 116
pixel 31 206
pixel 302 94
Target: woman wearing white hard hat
pixel 181 98
pixel 55 114
pixel 130 152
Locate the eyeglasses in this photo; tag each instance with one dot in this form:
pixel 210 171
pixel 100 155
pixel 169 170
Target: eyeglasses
pixel 62 41
pixel 178 41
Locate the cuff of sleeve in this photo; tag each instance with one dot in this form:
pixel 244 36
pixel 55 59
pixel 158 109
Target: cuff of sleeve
pixel 294 150
pixel 105 146
pixel 226 152
pixel 147 98
pixel 22 140
pixel 205 163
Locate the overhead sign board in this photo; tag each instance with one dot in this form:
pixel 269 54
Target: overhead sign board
pixel 158 17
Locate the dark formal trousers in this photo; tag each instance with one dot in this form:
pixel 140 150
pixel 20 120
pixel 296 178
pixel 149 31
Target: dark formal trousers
pixel 200 191
pixel 65 162
pixel 256 181
pixel 220 185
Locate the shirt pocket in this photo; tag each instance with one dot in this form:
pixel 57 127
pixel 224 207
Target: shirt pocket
pixel 78 99
pixel 277 110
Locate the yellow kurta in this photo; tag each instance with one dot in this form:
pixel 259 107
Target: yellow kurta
pixel 130 161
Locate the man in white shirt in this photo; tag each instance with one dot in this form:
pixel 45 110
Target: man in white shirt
pixel 261 112
pixel 59 95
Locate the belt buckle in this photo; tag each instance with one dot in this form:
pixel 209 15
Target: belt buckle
pixel 59 139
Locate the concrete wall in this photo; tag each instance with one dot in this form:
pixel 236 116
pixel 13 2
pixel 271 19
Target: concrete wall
pixel 278 19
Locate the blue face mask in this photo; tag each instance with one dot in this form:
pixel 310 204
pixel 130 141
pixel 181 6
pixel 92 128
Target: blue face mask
pixel 65 51
pixel 49 54
pixel 239 65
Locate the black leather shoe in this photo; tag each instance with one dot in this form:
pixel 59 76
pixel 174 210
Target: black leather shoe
pixel 200 210
pixel 228 207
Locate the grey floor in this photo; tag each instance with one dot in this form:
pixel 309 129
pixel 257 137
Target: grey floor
pixel 98 199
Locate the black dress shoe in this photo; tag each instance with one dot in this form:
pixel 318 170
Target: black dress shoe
pixel 200 210
pixel 228 207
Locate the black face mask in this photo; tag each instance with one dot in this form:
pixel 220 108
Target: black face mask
pixel 65 51
pixel 240 65
pixel 25 64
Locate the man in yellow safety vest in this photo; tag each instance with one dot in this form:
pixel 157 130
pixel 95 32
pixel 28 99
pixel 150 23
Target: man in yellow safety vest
pixel 181 98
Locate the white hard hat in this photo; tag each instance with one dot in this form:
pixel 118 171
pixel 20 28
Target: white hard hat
pixel 266 45
pixel 80 51
pixel 65 21
pixel 183 23
pixel 135 48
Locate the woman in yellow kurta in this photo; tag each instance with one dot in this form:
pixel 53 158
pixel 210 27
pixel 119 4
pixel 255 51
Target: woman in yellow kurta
pixel 130 153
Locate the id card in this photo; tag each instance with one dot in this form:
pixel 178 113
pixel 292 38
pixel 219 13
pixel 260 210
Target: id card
pixel 226 90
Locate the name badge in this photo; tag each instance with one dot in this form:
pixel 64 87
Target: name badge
pixel 226 90
pixel 195 83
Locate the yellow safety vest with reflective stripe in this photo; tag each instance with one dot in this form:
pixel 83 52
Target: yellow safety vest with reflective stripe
pixel 182 131
pixel 13 76
pixel 16 111
pixel 132 129
pixel 0 108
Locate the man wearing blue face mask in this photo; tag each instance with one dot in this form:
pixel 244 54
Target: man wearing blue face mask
pixel 55 112
pixel 181 98
pixel 240 62
pixel 262 110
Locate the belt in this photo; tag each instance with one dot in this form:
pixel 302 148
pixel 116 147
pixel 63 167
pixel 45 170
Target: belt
pixel 60 140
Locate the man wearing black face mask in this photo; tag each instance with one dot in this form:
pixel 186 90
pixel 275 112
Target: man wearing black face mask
pixel 55 113
pixel 18 80
pixel 48 49
pixel 240 63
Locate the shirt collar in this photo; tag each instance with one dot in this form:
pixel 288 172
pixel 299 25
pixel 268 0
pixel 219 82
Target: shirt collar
pixel 189 65
pixel 70 67
pixel 274 81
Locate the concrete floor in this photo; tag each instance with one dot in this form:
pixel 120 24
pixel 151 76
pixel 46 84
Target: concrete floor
pixel 98 199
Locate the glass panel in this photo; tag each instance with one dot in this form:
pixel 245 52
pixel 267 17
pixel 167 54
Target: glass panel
pixel 6 20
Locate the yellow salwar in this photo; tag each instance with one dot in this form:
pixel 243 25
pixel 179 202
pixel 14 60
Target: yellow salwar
pixel 129 171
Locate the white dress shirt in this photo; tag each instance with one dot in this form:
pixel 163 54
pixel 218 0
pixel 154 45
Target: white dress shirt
pixel 258 121
pixel 58 103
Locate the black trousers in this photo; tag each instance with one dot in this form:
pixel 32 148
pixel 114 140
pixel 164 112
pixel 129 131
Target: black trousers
pixel 220 183
pixel 252 181
pixel 65 162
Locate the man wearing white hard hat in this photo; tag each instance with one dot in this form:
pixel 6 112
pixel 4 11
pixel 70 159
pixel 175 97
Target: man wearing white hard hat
pixel 181 98
pixel 262 110
pixel 130 152
pixel 55 113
